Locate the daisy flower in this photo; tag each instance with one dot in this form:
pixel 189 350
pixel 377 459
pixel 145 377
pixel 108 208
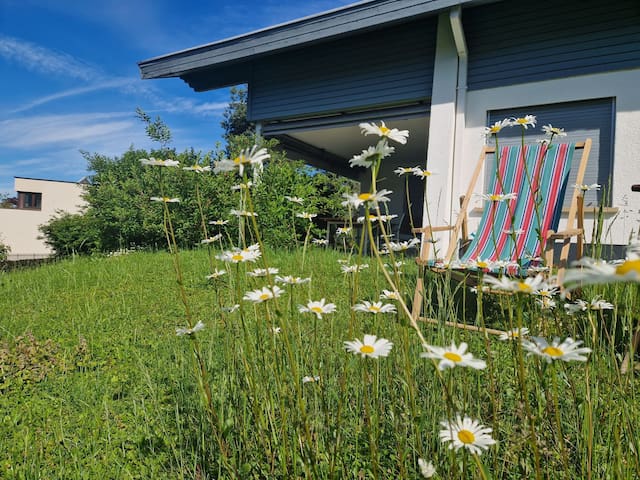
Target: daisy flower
pixel 190 331
pixel 427 470
pixel 247 157
pixel 496 127
pixel 480 264
pixel 394 134
pixel 546 303
pixel 403 246
pixel 600 304
pixel 218 222
pixel 297 200
pixel 353 268
pixel 389 295
pixel 577 306
pixel 343 230
pixel 311 379
pixel 370 346
pixel 213 239
pixel 453 357
pixel 263 294
pixel 498 197
pixel 597 272
pixel 159 163
pixel 231 309
pixel 371 154
pixel 317 307
pixel 528 285
pixel 419 172
pixel 387 218
pixel 249 254
pixel 321 242
pixel 263 272
pixel 554 131
pixel 466 433
pixel 242 213
pixel 514 334
pixel 197 168
pixel 524 122
pixel 165 199
pixel 567 351
pixel 242 186
pixel 586 188
pixel 356 200
pixel 291 280
pixel 306 215
pixel 403 170
pixel 374 307
pixel 276 330
pixel 216 274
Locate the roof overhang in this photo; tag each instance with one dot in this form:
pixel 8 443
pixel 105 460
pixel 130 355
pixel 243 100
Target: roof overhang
pixel 228 62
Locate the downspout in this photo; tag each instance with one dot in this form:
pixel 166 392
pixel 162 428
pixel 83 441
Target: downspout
pixel 455 19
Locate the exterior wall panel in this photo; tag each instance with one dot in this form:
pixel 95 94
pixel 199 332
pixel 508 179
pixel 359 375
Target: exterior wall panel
pixel 378 68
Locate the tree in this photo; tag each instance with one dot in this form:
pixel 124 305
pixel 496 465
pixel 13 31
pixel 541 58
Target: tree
pixel 235 120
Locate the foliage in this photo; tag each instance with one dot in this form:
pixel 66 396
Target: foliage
pixel 71 233
pixel 4 251
pixel 156 129
pixel 235 122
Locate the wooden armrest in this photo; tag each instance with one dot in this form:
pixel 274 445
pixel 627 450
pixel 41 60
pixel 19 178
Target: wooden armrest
pixel 432 229
pixel 572 232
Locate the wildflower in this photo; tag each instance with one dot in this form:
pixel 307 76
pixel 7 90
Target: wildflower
pixel 546 303
pixel 394 134
pixel 247 157
pixel 306 215
pixel 216 274
pixel 213 239
pixel 496 127
pixel 387 218
pixel 596 272
pixel 518 231
pixel 190 331
pixel 165 199
pixel 587 188
pixel 231 309
pixel 554 131
pixel 480 264
pixel 371 154
pixel 263 272
pixel 389 295
pixel 198 168
pixel 356 200
pixel 276 330
pixel 599 304
pixel 402 170
pixel 427 470
pixel 403 246
pixel 250 254
pixel 242 213
pixel 320 242
pixel 290 280
pixel 311 379
pixel 159 163
pixel 498 197
pixel 370 346
pixel 263 294
pixel 343 230
pixel 453 357
pixel 577 306
pixel 353 268
pixel 419 172
pixel 375 307
pixel 317 307
pixel 524 122
pixel 528 285
pixel 466 433
pixel 567 351
pixel 218 222
pixel 242 186
pixel 297 200
pixel 514 334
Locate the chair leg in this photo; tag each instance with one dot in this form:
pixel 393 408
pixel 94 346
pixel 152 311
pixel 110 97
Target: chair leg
pixel 418 295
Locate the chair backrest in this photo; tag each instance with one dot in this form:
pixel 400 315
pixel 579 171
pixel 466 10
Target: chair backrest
pixel 538 175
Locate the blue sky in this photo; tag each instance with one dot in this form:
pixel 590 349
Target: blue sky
pixel 70 79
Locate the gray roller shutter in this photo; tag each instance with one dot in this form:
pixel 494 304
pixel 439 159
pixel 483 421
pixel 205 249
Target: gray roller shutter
pixel 586 119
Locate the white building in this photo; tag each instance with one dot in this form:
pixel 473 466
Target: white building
pixel 38 201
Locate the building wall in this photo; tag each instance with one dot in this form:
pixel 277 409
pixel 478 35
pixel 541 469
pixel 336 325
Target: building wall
pixel 19 227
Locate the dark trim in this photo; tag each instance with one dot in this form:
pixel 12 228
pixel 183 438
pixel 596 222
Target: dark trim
pixel 46 180
pixel 316 157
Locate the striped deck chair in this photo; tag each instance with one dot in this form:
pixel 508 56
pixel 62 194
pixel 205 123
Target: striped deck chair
pixel 539 179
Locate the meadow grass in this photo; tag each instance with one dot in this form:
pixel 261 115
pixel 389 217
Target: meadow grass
pixel 114 395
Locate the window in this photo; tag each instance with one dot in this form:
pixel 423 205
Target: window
pixel 30 200
pixel 586 119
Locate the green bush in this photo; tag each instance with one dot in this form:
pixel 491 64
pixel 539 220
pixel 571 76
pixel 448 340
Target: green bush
pixel 68 233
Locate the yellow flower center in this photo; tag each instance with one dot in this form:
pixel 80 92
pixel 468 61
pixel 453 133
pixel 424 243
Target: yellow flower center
pixel 237 257
pixel 521 121
pixel 367 349
pixel 495 128
pixel 365 196
pixel 265 296
pixel 482 264
pixel 553 351
pixel 454 357
pixel 524 287
pixel 384 131
pixel 495 197
pixel 316 309
pixel 629 266
pixel 374 309
pixel 466 437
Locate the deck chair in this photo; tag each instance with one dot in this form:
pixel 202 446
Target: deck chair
pixel 538 175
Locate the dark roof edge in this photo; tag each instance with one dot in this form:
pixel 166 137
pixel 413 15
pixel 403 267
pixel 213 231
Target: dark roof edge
pixel 49 180
pixel 323 26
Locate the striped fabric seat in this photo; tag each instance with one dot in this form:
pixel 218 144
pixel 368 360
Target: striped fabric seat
pixel 538 176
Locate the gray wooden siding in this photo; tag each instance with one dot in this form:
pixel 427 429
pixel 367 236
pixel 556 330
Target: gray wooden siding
pixel 378 68
pixel 518 42
pixel 587 119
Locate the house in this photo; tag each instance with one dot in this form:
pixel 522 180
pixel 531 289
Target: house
pixel 37 201
pixel 443 69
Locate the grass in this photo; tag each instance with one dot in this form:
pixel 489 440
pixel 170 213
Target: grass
pixel 95 384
